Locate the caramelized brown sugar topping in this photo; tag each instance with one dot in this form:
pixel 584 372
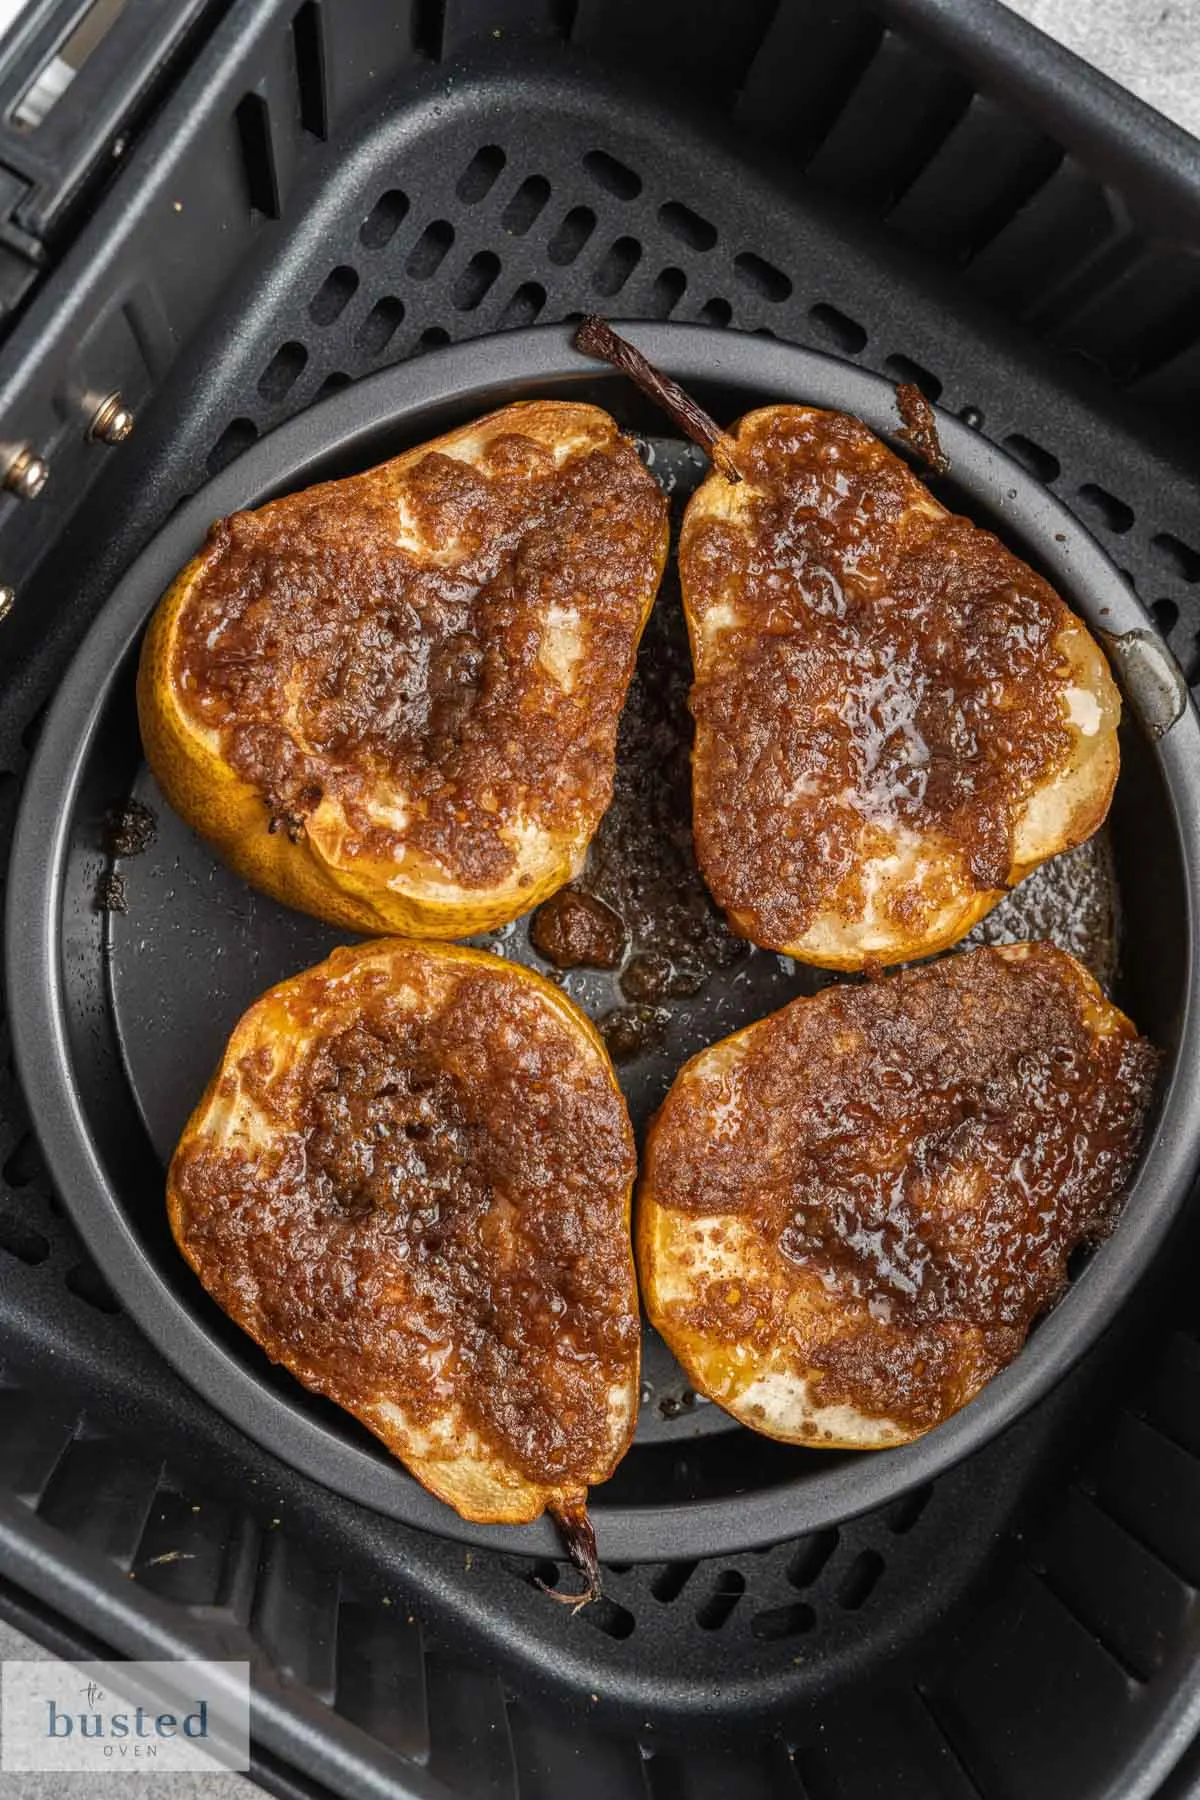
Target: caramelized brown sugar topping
pixel 867 659
pixel 431 1207
pixel 441 645
pixel 914 1159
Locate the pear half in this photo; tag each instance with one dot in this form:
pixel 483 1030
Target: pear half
pixel 392 700
pixel 409 1181
pixel 851 1212
pixel 896 718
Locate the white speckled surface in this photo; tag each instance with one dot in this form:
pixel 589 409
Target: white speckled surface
pixel 1149 46
pixel 110 1787
pixel 1152 47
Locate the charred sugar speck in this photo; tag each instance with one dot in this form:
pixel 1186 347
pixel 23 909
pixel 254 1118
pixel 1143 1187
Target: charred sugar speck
pixel 110 893
pixel 629 1031
pixel 653 977
pixel 129 828
pixel 291 824
pixel 576 930
pixel 647 977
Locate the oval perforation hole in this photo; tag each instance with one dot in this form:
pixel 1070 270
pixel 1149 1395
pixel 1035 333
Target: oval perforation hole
pixel 1104 508
pixel 616 178
pixel 380 325
pixel 715 312
pixel 669 1582
pixel 22 1240
pixel 712 1612
pixel 31 731
pixel 475 280
pixel 687 226
pixel 333 383
pixel 237 436
pixel 903 1513
pixel 1042 464
pixel 860 1580
pixel 606 1615
pixel 283 371
pixel 810 1556
pixel 762 277
pixel 309 48
pixel 902 368
pixel 668 290
pixel 616 266
pixel 846 333
pixel 1179 557
pixel 572 234
pixel 523 306
pixel 87 1284
pixel 334 295
pixel 780 1622
pixel 526 205
pixel 541 1573
pixel 24 1166
pixel 430 250
pixel 1166 615
pixel 252 116
pixel 434 337
pixel 481 174
pixel 384 219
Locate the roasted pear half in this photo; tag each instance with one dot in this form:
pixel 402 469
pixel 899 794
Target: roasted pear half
pixel 851 1212
pixel 392 700
pixel 896 718
pixel 409 1180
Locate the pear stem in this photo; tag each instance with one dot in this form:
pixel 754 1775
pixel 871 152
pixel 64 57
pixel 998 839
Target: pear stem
pixel 572 1520
pixel 597 338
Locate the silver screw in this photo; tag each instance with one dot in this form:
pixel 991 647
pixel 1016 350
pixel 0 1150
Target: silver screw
pixel 112 421
pixel 7 596
pixel 27 474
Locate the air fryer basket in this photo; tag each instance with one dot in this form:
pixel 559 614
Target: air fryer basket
pixel 126 1013
pixel 1025 1625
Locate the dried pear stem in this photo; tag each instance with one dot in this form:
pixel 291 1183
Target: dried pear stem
pixel 596 337
pixel 571 1517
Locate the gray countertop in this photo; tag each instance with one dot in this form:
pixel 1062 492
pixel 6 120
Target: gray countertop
pixel 1150 46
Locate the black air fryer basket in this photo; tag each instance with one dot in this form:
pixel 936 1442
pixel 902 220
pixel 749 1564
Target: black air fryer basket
pixel 306 194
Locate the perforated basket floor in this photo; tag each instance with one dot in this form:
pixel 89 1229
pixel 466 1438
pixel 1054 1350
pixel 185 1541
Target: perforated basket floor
pixel 1026 1627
